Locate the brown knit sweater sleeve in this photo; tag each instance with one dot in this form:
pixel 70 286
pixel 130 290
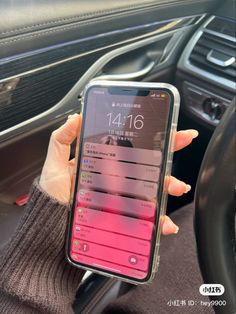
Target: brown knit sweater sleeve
pixel 34 274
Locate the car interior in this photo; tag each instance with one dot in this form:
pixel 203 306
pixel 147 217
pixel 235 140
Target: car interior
pixel 50 50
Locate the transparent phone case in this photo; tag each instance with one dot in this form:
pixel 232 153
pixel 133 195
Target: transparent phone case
pixel 162 201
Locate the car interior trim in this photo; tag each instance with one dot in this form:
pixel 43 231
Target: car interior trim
pixel 80 40
pixel 65 60
pixel 222 63
pixel 171 24
pixel 209 31
pixel 70 101
pixel 196 97
pixel 86 12
pixel 129 76
pixel 184 63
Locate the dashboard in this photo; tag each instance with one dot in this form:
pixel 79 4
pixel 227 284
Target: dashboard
pixel 206 72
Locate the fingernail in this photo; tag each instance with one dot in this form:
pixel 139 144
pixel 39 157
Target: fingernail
pixel 194 133
pixel 169 226
pixel 188 188
pixel 176 230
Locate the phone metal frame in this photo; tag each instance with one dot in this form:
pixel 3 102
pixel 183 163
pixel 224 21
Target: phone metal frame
pixel 165 171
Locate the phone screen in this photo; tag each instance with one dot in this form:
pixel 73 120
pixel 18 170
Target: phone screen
pixel 120 162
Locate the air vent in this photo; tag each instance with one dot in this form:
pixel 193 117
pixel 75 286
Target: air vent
pixel 215 54
pixel 223 26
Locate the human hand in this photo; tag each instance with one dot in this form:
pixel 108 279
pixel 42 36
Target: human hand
pixel 56 177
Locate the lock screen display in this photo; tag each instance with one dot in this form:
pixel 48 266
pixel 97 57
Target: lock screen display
pixel 117 183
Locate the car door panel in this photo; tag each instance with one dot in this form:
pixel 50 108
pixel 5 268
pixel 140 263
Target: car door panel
pixel 48 80
pixel 27 25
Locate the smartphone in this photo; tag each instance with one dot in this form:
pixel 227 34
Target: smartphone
pixel 124 155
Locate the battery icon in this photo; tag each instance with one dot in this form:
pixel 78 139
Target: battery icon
pixel 163 95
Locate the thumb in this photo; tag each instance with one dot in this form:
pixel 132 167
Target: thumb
pixel 59 146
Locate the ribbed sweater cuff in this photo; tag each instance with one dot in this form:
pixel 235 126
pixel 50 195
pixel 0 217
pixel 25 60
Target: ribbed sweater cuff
pixel 33 267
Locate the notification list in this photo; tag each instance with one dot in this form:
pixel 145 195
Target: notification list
pixel 116 205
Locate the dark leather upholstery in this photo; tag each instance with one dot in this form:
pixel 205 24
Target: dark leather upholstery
pixel 26 25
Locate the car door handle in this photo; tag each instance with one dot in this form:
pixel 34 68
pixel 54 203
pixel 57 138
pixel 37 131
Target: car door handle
pixel 129 76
